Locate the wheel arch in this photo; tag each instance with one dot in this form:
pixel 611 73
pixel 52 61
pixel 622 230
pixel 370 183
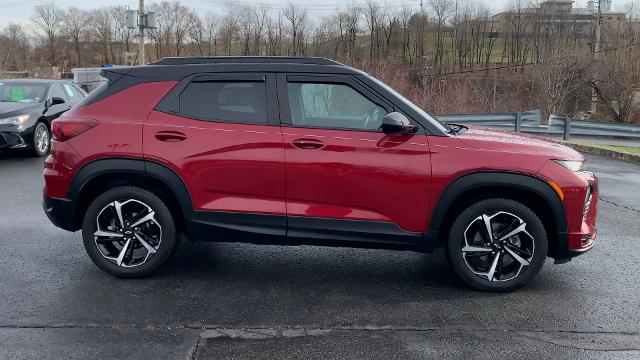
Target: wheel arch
pixel 99 175
pixel 533 192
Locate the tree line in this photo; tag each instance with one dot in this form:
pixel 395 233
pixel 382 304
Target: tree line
pixel 520 55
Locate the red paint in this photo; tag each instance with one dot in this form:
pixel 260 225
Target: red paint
pixel 227 167
pixel 359 175
pixel 309 172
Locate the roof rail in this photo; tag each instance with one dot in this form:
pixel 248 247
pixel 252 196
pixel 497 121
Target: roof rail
pixel 245 60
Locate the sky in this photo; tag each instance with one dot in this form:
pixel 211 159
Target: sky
pixel 20 10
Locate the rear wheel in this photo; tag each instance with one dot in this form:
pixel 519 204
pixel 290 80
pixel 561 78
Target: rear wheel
pixel 129 232
pixel 497 245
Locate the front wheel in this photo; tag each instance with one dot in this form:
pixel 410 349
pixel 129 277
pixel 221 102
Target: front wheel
pixel 497 245
pixel 41 140
pixel 129 232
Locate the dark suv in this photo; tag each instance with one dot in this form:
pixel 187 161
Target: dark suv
pixel 305 151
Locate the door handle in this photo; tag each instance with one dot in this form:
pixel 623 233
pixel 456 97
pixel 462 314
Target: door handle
pixel 170 136
pixel 306 143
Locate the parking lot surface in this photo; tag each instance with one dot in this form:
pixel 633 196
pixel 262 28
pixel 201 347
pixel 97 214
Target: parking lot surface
pixel 242 301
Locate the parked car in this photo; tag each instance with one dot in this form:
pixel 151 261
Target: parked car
pixel 27 108
pixel 305 151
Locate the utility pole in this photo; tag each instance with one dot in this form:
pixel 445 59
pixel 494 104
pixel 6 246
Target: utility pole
pixel 141 20
pixel 596 56
pixel 141 26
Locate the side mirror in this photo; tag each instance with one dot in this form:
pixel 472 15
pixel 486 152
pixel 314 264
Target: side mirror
pixel 57 101
pixel 396 123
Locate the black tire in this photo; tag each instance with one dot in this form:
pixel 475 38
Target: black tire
pixel 36 149
pixel 168 238
pixel 503 211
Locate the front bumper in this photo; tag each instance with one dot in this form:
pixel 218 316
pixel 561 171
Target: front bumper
pixel 583 236
pixel 12 140
pixel 61 212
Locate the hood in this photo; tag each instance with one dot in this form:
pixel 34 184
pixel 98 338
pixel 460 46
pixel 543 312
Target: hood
pixel 508 141
pixel 8 109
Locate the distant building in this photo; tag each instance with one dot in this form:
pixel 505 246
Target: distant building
pixel 562 15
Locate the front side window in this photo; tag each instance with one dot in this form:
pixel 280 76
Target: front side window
pixel 334 106
pixel 241 102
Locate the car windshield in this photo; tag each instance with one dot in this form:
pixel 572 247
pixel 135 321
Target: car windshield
pixel 22 92
pixel 413 106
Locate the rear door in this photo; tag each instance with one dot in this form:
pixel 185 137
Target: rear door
pixel 346 179
pixel 221 134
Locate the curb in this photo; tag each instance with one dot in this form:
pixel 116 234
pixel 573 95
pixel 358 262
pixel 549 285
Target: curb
pixel 608 153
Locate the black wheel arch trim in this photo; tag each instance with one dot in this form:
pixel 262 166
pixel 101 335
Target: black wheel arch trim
pixel 480 179
pixel 135 166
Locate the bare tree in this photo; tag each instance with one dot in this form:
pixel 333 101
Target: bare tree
pixel 274 35
pixel 443 10
pixel 197 32
pixel 102 31
pixel 48 20
pixel 373 14
pixel 296 19
pixel 15 48
pixel 211 23
pixel 74 25
pixel 555 78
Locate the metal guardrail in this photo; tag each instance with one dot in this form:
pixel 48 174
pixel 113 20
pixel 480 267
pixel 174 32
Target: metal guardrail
pixel 529 122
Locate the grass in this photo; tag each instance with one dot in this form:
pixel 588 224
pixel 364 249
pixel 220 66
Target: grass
pixel 625 149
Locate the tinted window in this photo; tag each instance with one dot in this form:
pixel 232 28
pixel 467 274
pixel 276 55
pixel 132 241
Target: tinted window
pixel 333 106
pixel 225 101
pixel 57 91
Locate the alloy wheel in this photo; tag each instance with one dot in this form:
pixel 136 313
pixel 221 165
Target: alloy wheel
pixel 497 247
pixel 42 139
pixel 127 233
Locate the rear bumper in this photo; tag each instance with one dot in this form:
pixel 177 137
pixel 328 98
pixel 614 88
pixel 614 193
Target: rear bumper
pixel 61 212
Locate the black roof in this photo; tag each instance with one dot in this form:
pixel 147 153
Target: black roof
pixel 178 68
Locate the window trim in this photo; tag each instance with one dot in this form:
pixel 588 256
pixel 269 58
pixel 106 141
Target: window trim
pixel 285 109
pixel 170 102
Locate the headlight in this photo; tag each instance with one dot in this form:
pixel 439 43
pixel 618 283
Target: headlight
pixel 15 120
pixel 571 164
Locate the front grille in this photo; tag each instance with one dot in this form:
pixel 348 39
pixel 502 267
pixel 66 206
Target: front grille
pixel 587 202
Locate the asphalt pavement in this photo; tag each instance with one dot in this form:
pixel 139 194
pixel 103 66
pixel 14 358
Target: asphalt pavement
pixel 242 301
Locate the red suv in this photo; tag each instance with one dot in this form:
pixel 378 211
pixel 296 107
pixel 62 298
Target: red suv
pixel 296 151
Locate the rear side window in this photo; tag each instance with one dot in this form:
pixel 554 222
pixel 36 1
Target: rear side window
pixel 58 92
pixel 225 101
pixel 71 92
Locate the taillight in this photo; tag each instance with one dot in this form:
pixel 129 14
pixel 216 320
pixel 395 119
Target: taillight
pixel 65 129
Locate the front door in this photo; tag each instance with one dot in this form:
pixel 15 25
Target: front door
pixel 221 134
pixel 345 179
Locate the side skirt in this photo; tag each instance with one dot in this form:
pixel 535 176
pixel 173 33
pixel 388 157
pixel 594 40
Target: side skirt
pixel 218 226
